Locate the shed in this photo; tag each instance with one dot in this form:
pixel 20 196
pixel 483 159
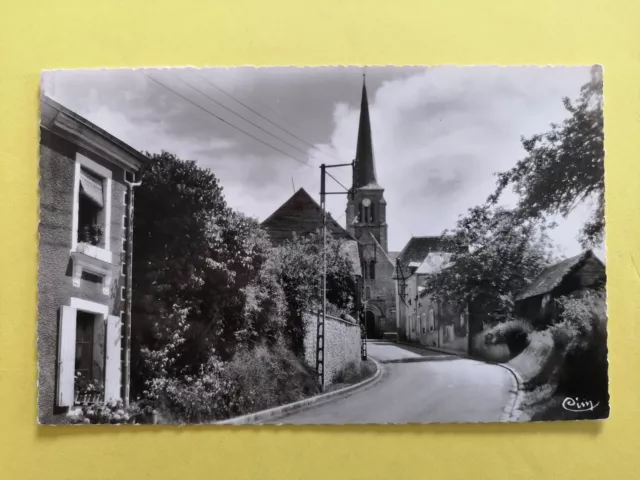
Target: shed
pixel 582 272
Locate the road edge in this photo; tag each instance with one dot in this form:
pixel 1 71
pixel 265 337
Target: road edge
pixel 512 411
pixel 306 403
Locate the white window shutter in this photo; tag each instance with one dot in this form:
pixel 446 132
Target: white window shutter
pixel 66 356
pixel 113 359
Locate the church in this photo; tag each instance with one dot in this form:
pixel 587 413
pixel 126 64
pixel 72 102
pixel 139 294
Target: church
pixel 367 222
pixel 366 228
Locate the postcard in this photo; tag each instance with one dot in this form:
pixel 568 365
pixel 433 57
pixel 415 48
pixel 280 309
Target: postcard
pixel 326 245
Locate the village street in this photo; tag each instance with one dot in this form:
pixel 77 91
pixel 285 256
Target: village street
pixel 434 388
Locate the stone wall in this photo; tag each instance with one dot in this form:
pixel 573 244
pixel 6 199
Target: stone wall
pixel 342 344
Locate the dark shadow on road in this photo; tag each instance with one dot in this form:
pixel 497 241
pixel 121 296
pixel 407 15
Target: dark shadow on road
pixel 446 358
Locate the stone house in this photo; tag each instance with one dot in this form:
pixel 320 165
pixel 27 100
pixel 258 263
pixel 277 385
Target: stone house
pixel 536 303
pixel 419 318
pixel 85 203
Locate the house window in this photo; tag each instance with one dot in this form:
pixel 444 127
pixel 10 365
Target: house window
pixel 92 207
pixel 84 345
pixel 89 354
pixel 91 218
pixel 91 223
pixel 372 269
pixel 424 322
pixel 89 364
pixel 432 320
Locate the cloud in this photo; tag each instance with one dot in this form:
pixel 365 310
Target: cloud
pixel 439 133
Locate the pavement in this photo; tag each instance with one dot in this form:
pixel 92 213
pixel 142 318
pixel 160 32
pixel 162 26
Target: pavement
pixel 419 386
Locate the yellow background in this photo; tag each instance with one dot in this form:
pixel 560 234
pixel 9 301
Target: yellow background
pixel 36 35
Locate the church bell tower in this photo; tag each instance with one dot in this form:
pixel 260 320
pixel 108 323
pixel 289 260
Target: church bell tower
pixel 366 208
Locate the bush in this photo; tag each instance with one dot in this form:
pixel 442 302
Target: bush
pixel 513 333
pixel 204 397
pixel 581 335
pixel 582 321
pixel 267 376
pixel 354 372
pixel 350 373
pixel 491 353
pixel 101 413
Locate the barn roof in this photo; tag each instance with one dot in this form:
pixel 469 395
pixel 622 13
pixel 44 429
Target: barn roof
pixel 552 276
pixel 300 215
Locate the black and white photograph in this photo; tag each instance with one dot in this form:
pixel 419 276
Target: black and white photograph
pixel 322 245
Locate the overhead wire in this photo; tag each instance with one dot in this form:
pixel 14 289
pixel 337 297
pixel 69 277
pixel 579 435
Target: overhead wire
pixel 225 121
pixel 221 90
pixel 240 116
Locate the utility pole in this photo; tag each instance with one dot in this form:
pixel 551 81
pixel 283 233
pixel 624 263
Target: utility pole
pixel 320 353
pixel 126 371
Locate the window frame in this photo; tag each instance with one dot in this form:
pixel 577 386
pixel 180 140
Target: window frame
pixel 107 179
pixel 112 349
pixel 92 258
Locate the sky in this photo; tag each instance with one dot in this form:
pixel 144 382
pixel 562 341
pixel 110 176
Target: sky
pixel 439 133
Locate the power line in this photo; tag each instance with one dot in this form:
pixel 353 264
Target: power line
pixel 238 115
pixel 265 118
pixel 225 121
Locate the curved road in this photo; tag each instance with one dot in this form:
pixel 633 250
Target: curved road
pixel 435 388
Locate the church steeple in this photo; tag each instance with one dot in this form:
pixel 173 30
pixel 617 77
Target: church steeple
pixel 364 173
pixel 366 207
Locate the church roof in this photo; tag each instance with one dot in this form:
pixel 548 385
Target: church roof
pixel 300 215
pixel 364 172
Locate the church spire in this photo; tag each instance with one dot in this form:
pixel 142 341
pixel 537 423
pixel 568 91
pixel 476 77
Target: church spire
pixel 364 173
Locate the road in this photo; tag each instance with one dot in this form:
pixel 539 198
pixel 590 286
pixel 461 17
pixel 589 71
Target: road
pixel 437 388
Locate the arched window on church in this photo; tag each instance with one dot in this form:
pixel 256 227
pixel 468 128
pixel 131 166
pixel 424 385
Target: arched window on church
pixel 361 217
pixel 372 269
pixel 372 217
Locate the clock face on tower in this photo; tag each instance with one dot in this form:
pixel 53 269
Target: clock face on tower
pixel 366 202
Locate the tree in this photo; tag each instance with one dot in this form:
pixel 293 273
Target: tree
pixel 299 266
pixel 195 255
pixel 564 166
pixel 494 255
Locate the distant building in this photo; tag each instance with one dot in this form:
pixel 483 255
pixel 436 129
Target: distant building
pixel 572 276
pixel 84 201
pixel 300 215
pixel 419 318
